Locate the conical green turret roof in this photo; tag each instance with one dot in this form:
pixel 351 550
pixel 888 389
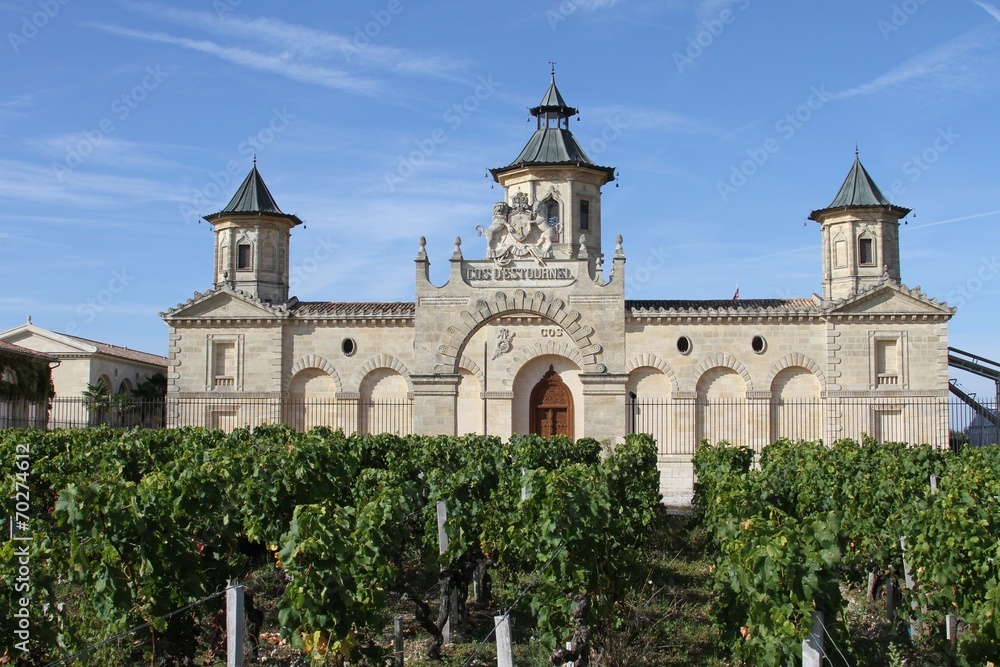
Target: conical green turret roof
pixel 859 189
pixel 252 197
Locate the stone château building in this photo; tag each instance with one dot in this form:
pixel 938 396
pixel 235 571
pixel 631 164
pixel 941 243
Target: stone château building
pixel 537 336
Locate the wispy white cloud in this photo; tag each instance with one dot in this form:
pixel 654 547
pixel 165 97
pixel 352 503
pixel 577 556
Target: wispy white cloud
pixel 992 10
pixel 283 64
pixel 712 8
pixel 29 182
pixel 960 63
pixel 18 102
pixel 592 5
pixel 634 119
pixel 309 44
pixel 111 151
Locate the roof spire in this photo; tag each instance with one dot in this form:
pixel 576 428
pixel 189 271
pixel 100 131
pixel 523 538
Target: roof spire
pixel 552 142
pixel 859 189
pixel 253 197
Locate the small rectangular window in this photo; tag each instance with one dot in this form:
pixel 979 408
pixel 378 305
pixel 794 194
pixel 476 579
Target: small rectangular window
pixel 584 214
pixel 224 365
pixel 866 252
pixel 243 258
pixel 886 362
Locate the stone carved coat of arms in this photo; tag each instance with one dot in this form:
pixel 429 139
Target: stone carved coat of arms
pixel 519 231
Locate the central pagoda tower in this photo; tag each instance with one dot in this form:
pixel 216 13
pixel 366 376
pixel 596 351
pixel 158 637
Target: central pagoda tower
pixel 558 180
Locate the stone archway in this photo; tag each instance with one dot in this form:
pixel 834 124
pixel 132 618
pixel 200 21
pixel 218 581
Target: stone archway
pixel 551 406
pixel 450 347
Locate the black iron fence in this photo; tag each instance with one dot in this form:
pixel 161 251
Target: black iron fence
pixel 226 413
pixel 677 425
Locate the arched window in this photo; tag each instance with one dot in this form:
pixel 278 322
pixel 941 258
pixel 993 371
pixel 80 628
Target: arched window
pixel 866 251
pixel 552 213
pixel 244 257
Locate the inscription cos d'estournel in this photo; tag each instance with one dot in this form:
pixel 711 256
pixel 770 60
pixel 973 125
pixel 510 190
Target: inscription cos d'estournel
pixel 516 273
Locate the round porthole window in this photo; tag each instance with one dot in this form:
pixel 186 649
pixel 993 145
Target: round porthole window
pixel 758 344
pixel 348 347
pixel 684 345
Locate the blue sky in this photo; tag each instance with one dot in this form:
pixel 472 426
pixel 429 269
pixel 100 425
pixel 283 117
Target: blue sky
pixel 375 122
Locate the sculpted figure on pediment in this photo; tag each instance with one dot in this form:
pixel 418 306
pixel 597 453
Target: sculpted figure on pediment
pixel 518 231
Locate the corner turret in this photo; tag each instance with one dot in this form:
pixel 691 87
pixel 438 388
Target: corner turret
pixel 251 242
pixel 860 230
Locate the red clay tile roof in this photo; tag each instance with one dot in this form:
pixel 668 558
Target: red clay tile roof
pixel 359 309
pixel 122 352
pixel 742 305
pixel 16 350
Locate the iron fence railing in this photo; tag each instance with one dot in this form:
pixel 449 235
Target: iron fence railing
pixel 677 425
pixel 226 413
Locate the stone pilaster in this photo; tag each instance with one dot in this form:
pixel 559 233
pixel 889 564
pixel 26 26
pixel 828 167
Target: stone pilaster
pixel 604 406
pixel 434 404
pixel 499 413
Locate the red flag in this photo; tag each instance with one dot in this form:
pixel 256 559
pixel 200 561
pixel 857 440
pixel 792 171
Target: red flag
pixel 736 294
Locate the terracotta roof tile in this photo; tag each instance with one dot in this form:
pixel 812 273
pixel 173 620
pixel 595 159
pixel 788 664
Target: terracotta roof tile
pixel 16 350
pixel 123 352
pixel 729 305
pixel 354 309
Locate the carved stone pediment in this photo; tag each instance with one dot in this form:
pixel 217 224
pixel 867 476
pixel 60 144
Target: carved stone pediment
pixel 890 298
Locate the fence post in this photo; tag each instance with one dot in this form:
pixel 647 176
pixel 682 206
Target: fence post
pixel 442 517
pixel 890 601
pixel 398 631
pixel 235 623
pixel 812 645
pixel 910 585
pixel 951 630
pixel 505 649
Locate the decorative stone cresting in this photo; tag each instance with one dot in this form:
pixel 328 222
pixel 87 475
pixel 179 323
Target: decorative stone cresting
pixel 382 361
pixel 800 360
pixel 724 360
pixel 587 355
pixel 653 361
pixel 313 361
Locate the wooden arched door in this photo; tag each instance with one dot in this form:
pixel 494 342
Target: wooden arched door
pixel 551 406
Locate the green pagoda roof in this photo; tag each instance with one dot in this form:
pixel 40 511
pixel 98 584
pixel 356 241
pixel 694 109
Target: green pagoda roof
pixel 553 146
pixel 859 189
pixel 553 143
pixel 252 197
pixel 553 100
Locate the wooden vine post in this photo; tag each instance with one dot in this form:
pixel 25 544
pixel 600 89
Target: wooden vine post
pixel 812 645
pixel 442 518
pixel 505 647
pixel 235 623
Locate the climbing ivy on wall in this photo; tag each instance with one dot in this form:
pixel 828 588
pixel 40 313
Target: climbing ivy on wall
pixel 32 379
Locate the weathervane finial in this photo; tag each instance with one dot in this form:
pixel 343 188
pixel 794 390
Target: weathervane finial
pixel 552 63
pixel 855 149
pixel 255 158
